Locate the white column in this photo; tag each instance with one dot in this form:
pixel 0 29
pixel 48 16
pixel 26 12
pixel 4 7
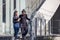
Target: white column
pixel 7 16
pixel 1 16
pixel 12 13
pixel 18 6
pixel 23 5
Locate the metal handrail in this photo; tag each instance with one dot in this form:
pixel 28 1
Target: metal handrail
pixel 32 16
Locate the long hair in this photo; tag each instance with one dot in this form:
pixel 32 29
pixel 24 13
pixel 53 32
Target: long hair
pixel 23 11
pixel 15 12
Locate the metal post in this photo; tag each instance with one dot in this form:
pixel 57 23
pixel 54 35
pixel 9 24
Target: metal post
pixel 40 27
pixel 35 28
pixel 10 17
pixel 49 26
pixel 45 27
pixel 30 31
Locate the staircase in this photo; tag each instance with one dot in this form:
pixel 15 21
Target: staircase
pixel 5 37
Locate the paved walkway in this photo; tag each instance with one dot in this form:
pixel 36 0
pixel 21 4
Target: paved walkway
pixel 57 38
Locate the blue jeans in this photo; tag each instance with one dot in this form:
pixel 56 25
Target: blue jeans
pixel 16 29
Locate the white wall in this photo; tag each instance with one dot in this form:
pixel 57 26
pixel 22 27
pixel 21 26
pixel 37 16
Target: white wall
pixel 1 16
pixel 23 4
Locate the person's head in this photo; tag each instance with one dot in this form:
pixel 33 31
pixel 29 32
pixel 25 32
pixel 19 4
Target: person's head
pixel 23 11
pixel 15 13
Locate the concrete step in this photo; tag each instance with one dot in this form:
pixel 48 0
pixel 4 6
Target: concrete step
pixel 5 38
pixel 38 38
pixel 27 38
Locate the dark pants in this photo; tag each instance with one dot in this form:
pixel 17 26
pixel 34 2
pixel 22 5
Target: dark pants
pixel 24 31
pixel 16 30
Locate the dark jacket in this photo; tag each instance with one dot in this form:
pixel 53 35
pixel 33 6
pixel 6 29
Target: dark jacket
pixel 15 19
pixel 23 18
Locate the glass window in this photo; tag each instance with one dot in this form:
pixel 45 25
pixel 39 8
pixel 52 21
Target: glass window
pixel 14 4
pixel 4 10
pixel 55 22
